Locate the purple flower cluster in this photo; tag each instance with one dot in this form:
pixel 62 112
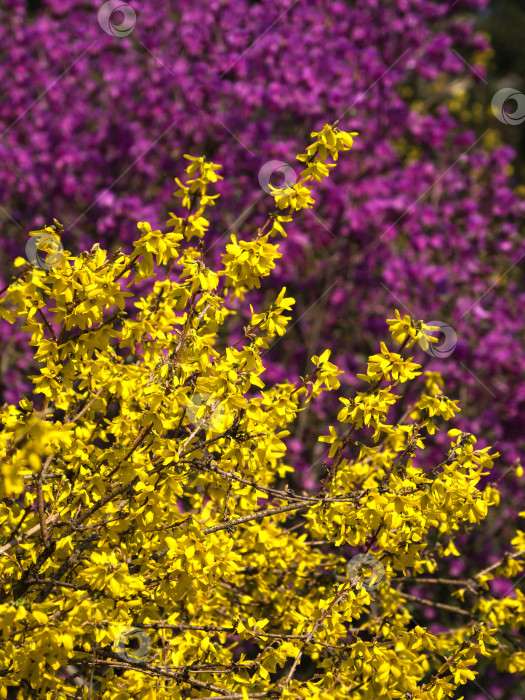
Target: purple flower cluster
pixel 421 217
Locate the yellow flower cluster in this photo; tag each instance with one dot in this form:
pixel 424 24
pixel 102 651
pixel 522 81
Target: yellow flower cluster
pixel 141 493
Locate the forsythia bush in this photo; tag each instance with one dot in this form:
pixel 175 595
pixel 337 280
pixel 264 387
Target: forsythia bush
pixel 149 548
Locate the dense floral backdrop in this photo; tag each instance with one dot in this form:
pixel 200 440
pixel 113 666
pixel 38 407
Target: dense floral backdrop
pixel 95 124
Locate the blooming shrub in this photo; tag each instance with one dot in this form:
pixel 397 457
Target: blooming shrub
pixel 147 548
